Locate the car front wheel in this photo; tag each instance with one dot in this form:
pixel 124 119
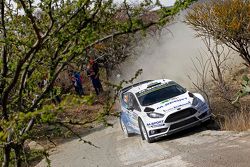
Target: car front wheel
pixel 144 133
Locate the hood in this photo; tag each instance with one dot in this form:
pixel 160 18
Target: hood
pixel 175 103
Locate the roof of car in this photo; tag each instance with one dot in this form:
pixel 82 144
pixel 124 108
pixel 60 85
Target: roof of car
pixel 144 85
pixel 134 85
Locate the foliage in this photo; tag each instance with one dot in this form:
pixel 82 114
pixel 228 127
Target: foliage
pixel 89 99
pixel 30 156
pixel 227 21
pixel 38 40
pixel 245 88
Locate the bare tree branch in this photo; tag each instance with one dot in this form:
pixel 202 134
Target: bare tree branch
pixel 32 19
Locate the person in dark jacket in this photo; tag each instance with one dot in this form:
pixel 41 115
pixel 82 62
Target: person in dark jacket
pixel 93 73
pixel 77 82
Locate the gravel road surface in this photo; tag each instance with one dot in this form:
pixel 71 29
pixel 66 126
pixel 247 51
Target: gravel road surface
pixel 194 147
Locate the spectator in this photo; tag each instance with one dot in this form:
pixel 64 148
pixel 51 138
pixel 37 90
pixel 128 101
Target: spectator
pixel 93 73
pixel 77 82
pixel 73 79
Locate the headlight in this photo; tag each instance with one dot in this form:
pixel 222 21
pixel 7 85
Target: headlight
pixel 195 101
pixel 155 115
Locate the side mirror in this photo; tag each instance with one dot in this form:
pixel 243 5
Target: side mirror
pixel 148 109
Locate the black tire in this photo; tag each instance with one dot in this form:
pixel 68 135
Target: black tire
pixel 144 133
pixel 124 128
pixel 212 124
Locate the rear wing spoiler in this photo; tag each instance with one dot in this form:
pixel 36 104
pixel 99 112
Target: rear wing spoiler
pixel 124 90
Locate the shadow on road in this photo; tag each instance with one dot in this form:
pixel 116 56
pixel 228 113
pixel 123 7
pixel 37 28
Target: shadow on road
pixel 210 125
pixel 82 133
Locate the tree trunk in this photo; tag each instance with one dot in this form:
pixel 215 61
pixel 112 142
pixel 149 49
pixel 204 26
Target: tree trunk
pixel 107 73
pixel 17 155
pixel 6 156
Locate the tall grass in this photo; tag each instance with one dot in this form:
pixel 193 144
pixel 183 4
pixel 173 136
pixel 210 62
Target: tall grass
pixel 237 121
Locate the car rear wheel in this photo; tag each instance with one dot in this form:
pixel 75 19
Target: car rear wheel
pixel 144 133
pixel 124 128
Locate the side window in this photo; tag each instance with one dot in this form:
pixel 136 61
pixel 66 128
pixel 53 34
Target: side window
pixel 134 102
pixel 125 100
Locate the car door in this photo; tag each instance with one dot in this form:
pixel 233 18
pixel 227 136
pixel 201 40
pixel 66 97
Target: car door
pixel 134 110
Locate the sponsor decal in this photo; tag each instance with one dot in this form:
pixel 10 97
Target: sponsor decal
pixel 182 105
pixel 178 106
pixel 171 102
pixel 159 107
pixel 165 101
pixel 159 123
pixel 155 126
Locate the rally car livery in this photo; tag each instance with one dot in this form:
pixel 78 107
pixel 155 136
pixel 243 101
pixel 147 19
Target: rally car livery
pixel 157 108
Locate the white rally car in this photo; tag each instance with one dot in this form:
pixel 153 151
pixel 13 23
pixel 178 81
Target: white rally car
pixel 157 108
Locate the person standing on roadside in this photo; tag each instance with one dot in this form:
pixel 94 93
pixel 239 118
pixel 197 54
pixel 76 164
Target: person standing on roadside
pixel 93 73
pixel 77 82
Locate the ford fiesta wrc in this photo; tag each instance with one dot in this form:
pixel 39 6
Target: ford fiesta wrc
pixel 157 108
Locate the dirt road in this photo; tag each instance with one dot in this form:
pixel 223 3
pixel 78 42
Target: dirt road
pixel 195 147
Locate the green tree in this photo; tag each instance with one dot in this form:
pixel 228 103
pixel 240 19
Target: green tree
pixel 225 20
pixel 38 40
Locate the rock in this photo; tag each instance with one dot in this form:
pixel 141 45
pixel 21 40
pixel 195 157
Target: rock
pixel 35 146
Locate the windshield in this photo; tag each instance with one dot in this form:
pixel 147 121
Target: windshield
pixel 159 93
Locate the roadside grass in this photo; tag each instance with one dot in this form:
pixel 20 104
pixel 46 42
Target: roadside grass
pixel 238 121
pixel 231 117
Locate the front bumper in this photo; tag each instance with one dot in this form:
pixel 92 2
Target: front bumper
pixel 182 124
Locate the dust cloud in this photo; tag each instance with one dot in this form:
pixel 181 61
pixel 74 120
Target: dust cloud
pixel 168 56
